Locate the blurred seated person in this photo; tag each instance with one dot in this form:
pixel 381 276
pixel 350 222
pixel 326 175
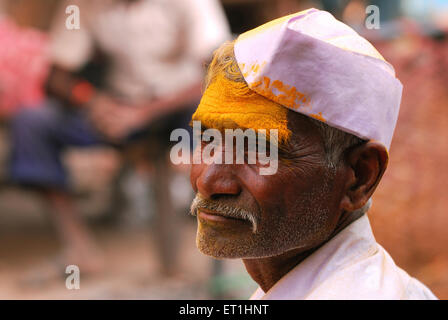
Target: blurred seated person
pixel 155 51
pixel 23 63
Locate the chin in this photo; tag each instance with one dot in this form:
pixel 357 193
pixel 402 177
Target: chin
pixel 217 248
pixel 223 248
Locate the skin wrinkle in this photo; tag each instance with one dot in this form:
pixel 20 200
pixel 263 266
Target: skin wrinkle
pixel 318 185
pixel 273 236
pixel 276 238
pixel 300 158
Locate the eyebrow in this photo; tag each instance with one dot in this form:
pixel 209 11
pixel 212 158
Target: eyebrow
pixel 290 147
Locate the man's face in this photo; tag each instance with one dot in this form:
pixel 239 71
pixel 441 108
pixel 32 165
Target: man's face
pixel 298 207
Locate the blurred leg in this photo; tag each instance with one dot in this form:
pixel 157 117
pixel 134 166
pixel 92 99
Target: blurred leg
pixel 78 245
pixel 39 137
pixel 167 227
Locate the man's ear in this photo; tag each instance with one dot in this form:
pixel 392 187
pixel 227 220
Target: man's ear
pixel 365 166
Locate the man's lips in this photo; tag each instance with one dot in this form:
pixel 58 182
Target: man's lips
pixel 217 217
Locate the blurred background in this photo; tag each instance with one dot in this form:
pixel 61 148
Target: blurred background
pixel 85 116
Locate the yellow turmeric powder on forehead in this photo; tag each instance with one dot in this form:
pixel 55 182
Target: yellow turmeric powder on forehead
pixel 227 102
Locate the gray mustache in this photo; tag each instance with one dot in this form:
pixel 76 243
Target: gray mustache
pixel 227 211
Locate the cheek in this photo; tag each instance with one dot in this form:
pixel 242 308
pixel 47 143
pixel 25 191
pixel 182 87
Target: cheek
pixel 268 191
pixel 287 183
pixel 313 196
pixel 288 194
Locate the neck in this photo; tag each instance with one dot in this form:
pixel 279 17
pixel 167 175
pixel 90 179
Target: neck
pixel 268 271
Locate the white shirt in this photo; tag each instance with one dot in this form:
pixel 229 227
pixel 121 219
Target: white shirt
pixel 352 265
pixel 156 47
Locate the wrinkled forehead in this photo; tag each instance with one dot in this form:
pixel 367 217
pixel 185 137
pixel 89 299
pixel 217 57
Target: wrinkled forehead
pixel 228 104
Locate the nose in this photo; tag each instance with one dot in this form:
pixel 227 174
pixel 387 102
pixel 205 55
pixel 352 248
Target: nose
pixel 217 180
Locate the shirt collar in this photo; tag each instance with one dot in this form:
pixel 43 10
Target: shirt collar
pixel 352 244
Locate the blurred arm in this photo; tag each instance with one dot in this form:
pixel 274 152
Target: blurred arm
pixel 70 50
pixel 168 104
pixel 207 28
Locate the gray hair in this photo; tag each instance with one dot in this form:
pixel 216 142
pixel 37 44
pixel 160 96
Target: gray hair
pixel 336 142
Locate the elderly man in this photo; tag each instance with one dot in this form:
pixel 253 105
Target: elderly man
pixel 302 232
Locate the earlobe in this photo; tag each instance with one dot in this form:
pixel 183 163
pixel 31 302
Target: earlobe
pixel 367 164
